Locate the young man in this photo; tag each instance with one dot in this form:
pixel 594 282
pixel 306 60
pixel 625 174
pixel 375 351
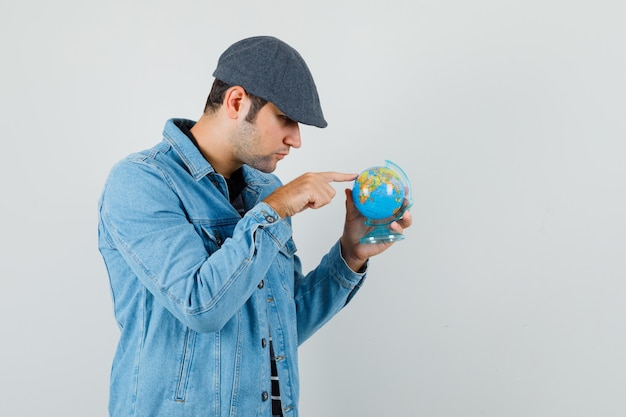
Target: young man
pixel 196 237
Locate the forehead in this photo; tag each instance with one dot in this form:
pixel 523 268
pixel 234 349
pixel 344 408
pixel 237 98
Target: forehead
pixel 269 110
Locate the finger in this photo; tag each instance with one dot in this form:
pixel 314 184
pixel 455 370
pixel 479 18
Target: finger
pixel 350 207
pixel 337 176
pixel 348 193
pixel 406 220
pixel 396 227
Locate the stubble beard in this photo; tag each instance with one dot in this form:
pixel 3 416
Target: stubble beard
pixel 247 145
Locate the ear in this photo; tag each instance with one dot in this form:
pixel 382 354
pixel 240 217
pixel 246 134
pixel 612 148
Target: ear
pixel 234 100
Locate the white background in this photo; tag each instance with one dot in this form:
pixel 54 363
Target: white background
pixel 508 297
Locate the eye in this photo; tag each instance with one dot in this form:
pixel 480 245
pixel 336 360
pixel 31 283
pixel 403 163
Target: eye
pixel 286 119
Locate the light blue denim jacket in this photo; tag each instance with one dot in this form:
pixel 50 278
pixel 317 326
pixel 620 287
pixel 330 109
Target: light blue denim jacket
pixel 197 288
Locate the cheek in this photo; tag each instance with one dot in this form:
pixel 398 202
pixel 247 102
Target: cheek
pixel 272 135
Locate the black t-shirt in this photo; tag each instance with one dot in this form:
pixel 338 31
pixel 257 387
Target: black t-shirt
pixel 235 183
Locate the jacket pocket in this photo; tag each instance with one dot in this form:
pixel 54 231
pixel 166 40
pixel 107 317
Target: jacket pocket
pixel 215 233
pixel 289 249
pixel 286 266
pixel 185 366
pixel 211 237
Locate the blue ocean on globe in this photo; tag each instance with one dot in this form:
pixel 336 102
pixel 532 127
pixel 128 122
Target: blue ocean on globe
pixel 378 193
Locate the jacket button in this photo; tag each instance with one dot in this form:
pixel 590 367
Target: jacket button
pixel 263 342
pixel 265 396
pixel 261 284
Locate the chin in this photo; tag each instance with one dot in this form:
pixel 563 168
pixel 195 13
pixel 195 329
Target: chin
pixel 265 168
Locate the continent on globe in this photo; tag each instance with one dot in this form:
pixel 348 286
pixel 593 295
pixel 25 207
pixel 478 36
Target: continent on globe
pixel 378 193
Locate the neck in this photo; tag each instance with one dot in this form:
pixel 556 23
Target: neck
pixel 212 135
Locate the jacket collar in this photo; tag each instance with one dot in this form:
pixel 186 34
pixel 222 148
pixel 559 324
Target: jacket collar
pixel 193 159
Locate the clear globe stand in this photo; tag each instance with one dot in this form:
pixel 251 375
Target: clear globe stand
pixel 381 232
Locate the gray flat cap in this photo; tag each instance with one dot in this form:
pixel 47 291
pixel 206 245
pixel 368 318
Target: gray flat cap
pixel 269 68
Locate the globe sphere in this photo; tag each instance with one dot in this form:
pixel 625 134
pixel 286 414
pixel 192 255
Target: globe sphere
pixel 378 193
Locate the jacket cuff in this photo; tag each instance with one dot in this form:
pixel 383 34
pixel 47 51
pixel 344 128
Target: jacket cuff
pixel 343 272
pixel 277 228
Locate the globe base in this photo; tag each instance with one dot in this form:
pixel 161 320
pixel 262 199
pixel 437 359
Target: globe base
pixel 381 234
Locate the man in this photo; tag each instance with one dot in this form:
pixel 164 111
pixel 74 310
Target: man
pixel 196 237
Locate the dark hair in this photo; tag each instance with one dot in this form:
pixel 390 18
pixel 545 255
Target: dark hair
pixel 216 98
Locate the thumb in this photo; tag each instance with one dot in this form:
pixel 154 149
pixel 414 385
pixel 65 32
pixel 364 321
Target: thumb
pixel 351 210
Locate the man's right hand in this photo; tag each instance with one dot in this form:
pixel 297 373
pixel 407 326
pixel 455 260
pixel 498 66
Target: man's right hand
pixel 310 190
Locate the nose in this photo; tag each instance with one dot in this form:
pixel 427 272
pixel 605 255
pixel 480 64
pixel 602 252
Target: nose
pixel 293 136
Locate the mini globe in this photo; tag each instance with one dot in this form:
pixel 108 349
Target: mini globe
pixel 382 194
pixel 378 193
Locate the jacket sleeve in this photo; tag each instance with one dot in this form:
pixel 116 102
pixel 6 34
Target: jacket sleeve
pixel 143 221
pixel 324 291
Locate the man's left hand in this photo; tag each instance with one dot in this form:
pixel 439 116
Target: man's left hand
pixel 355 253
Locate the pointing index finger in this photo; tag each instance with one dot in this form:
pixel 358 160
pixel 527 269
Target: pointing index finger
pixel 338 176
